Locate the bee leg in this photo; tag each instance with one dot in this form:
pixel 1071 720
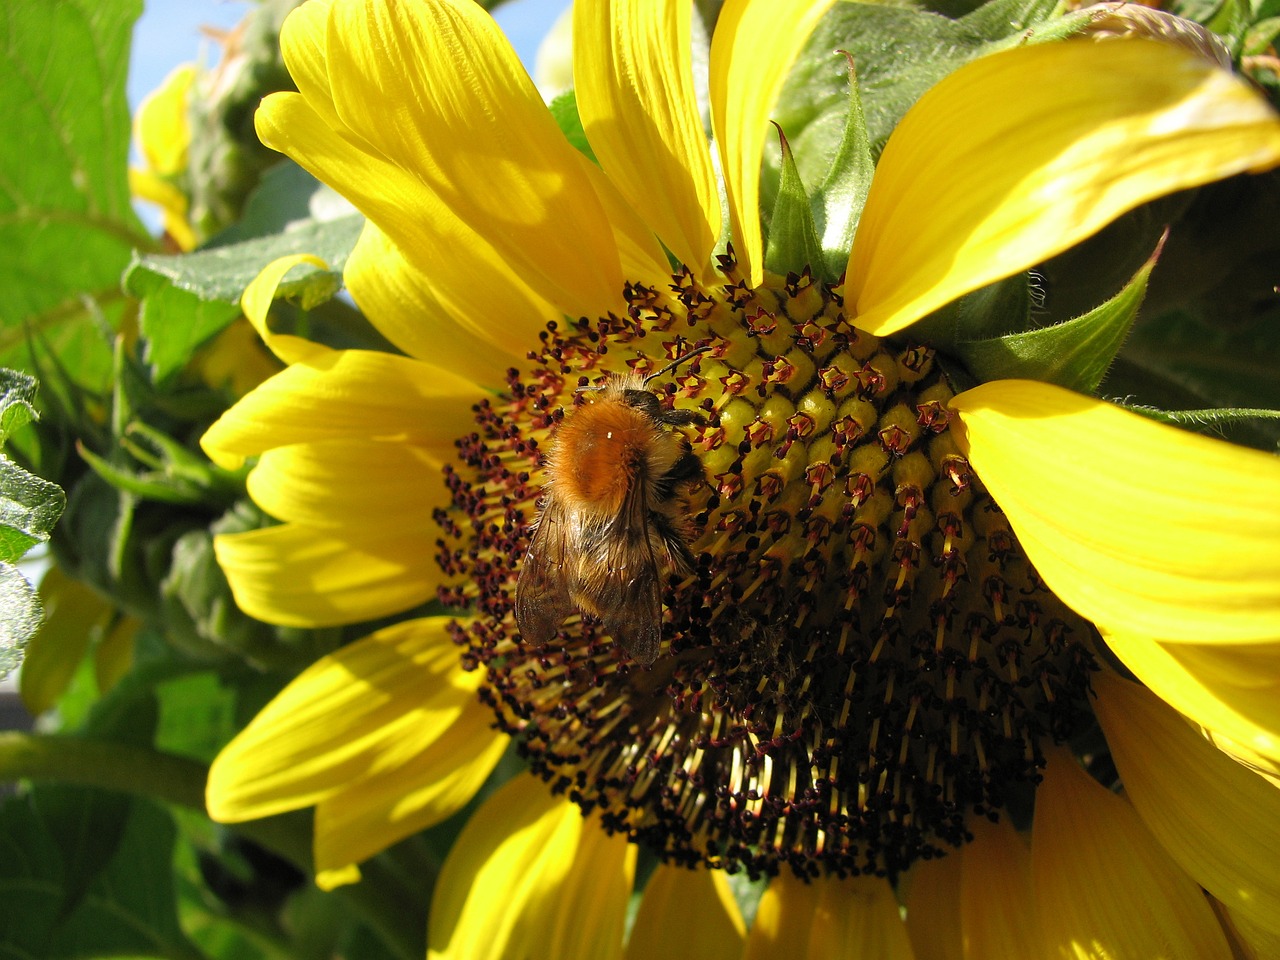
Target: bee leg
pixel 681 418
pixel 687 468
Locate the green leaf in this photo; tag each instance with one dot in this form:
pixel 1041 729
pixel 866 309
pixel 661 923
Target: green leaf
pixel 67 225
pixel 793 239
pixel 20 613
pixel 127 909
pixel 285 197
pixel 197 715
pixel 29 507
pixel 17 401
pixel 222 273
pixel 176 323
pixel 87 826
pixel 1261 35
pixel 1075 354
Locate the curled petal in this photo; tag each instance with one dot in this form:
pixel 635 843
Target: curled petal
pixel 256 303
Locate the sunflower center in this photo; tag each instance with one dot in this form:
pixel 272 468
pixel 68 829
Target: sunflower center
pixel 859 655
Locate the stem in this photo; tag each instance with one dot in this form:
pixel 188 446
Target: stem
pixel 392 908
pixel 103 763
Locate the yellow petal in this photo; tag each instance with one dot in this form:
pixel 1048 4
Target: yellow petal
pixel 160 126
pixel 1254 942
pixel 468 278
pixel 1105 890
pixel 390 695
pixel 256 304
pixel 304 42
pixel 74 614
pixel 394 800
pixel 409 77
pixel 171 201
pixel 346 394
pixel 1141 527
pixel 828 919
pixel 361 485
pixel 1263 766
pixel 528 877
pixel 1219 821
pixel 687 913
pixel 643 258
pixel 305 577
pixel 490 332
pixel 1248 716
pixel 633 70
pixel 751 51
pixel 1021 154
pixel 997 908
pixel 236 360
pixel 933 908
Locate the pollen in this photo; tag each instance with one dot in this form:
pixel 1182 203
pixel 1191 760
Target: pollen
pixel 861 657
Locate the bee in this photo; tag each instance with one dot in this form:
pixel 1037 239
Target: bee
pixel 614 517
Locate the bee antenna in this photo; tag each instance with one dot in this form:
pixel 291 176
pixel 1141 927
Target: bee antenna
pixel 677 361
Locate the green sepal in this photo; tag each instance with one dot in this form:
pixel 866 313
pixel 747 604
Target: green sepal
pixel 998 309
pixel 564 111
pixel 1260 36
pixel 1209 419
pixel 901 52
pixel 1075 354
pixel 176 475
pixel 793 239
pixel 842 195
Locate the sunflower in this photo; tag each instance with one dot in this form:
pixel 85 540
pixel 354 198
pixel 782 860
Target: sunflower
pixel 903 600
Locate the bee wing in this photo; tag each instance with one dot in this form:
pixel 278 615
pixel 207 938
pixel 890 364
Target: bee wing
pixel 631 596
pixel 542 590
